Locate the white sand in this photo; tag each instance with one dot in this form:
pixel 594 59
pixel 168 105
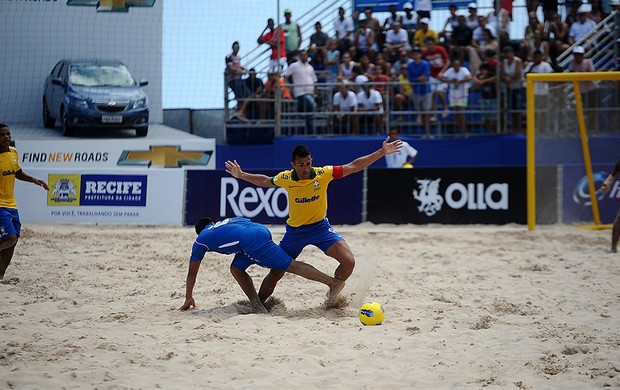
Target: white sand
pixel 466 307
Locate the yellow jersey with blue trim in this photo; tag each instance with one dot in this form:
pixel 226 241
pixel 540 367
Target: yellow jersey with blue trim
pixel 9 166
pixel 307 198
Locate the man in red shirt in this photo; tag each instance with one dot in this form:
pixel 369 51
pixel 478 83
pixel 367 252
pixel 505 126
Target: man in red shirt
pixel 276 62
pixel 438 57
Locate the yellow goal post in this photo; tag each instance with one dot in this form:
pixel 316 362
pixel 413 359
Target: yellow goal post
pixel 568 87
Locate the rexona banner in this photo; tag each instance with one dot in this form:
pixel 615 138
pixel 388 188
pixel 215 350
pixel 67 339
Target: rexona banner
pixel 447 195
pixel 218 195
pixel 153 196
pixel 194 152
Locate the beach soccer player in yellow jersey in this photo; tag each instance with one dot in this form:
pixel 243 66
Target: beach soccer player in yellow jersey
pixel 10 226
pixel 307 204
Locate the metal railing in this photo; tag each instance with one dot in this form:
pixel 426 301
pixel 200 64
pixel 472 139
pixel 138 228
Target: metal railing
pixel 283 114
pixel 480 115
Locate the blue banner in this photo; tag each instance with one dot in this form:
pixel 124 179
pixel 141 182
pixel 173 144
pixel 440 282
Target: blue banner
pixel 113 190
pixel 577 206
pixel 218 195
pixel 384 5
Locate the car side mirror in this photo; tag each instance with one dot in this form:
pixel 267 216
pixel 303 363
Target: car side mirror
pixel 143 82
pixel 57 81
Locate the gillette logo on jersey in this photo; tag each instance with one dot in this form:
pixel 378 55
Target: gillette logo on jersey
pixel 307 200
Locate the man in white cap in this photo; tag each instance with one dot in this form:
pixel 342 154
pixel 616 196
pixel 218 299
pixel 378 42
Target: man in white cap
pixel 617 56
pixel 615 6
pixel 472 18
pixel 582 27
pixel 588 89
pixel 410 20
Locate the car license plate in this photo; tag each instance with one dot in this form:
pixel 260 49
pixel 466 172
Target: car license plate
pixel 111 119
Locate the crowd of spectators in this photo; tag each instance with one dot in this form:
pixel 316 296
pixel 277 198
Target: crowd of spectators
pixel 366 62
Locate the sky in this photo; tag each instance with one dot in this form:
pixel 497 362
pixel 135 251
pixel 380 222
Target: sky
pixel 198 34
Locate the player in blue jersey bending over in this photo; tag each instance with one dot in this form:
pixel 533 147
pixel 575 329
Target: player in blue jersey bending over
pixel 251 243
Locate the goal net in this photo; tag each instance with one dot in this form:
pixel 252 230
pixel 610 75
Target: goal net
pixel 573 142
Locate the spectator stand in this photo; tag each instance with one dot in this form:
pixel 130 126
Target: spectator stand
pixel 286 121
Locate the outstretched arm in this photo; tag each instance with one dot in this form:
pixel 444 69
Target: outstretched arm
pixel 194 266
pixel 607 183
pixel 234 169
pixel 23 177
pixel 363 162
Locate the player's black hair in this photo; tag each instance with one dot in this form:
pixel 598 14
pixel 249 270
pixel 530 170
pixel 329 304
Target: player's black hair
pixel 202 223
pixel 300 151
pixel 2 126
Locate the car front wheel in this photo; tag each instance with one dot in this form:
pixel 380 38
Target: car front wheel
pixel 67 130
pixel 142 132
pixel 48 121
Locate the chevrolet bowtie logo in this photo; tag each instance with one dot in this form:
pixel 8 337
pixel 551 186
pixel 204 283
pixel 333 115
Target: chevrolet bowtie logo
pixel 164 156
pixel 112 5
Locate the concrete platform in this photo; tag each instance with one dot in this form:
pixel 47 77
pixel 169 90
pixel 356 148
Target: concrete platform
pixel 156 131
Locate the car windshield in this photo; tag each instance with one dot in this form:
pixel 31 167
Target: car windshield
pixel 101 76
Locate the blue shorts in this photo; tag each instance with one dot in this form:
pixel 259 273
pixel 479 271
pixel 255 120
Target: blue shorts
pixel 266 253
pixel 9 222
pixel 320 234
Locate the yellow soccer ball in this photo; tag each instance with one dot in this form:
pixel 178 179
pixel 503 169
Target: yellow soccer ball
pixel 407 166
pixel 371 314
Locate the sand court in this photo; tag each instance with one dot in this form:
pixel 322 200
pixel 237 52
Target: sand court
pixel 466 307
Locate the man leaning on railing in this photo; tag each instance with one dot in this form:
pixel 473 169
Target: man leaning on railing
pixel 304 80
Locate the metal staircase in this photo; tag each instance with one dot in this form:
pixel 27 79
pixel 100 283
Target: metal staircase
pixel 599 46
pixel 325 11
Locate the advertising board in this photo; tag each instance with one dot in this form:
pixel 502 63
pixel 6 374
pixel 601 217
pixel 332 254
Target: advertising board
pixel 447 195
pixel 218 195
pixel 138 181
pixel 141 153
pixel 576 203
pixel 153 196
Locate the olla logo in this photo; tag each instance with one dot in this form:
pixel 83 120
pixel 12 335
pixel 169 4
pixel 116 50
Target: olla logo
pixel 581 194
pixel 251 201
pixel 473 196
pixel 476 196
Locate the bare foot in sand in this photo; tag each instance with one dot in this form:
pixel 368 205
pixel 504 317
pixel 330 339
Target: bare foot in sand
pixel 11 280
pixel 334 291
